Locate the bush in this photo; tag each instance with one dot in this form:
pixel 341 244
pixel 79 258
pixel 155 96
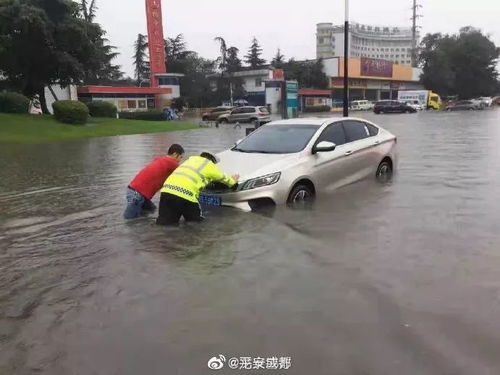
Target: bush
pixel 71 112
pixel 145 116
pixel 12 102
pixel 102 109
pixel 318 108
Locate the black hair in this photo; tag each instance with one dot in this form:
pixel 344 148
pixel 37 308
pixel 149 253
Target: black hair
pixel 175 149
pixel 209 156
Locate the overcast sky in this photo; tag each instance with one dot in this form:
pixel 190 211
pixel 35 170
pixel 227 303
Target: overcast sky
pixel 280 23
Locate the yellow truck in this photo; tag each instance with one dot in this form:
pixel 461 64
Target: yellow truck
pixel 428 99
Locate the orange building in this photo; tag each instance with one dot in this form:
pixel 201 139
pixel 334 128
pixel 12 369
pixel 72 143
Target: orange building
pixel 371 79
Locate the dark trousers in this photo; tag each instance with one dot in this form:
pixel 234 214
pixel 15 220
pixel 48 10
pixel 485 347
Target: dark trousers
pixel 173 207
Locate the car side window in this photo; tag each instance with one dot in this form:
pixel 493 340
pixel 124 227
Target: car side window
pixel 373 130
pixel 355 130
pixel 333 133
pixel 236 111
pixel 248 110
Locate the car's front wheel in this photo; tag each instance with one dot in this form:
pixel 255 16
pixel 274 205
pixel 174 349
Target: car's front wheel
pixel 384 171
pixel 223 121
pixel 300 193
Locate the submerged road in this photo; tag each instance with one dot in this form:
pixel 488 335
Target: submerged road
pixel 375 279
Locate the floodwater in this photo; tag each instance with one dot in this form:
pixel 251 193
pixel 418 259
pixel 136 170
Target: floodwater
pixel 376 279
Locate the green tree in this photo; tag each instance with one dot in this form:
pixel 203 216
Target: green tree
pixel 88 10
pixel 45 42
pixel 253 58
pixel 474 60
pixel 279 60
pixel 233 61
pixel 101 69
pixel 462 64
pixel 141 63
pixel 309 74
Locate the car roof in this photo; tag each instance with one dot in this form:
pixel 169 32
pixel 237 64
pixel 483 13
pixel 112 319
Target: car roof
pixel 315 121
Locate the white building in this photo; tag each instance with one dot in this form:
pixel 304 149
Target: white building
pixel 262 86
pixel 378 42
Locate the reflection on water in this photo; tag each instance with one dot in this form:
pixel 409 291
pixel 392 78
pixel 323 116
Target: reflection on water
pixel 400 278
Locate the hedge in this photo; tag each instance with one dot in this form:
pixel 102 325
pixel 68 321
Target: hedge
pixel 12 102
pixel 71 112
pixel 318 108
pixel 101 108
pixel 145 116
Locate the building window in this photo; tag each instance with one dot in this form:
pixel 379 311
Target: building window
pixel 132 104
pixel 258 82
pixel 142 104
pixel 122 104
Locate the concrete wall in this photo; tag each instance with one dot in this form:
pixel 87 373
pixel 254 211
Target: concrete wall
pixel 273 98
pixel 331 67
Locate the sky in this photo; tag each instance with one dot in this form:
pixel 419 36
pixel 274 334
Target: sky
pixel 288 25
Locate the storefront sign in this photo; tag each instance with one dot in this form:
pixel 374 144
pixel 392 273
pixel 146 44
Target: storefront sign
pixel 376 68
pixel 338 82
pixel 155 40
pixel 278 74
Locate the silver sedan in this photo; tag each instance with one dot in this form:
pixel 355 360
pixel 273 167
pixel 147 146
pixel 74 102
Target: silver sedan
pixel 290 161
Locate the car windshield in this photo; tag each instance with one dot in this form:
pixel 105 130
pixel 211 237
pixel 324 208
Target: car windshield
pixel 277 139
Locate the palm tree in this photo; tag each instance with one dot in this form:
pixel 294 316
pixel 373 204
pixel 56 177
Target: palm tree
pixel 223 53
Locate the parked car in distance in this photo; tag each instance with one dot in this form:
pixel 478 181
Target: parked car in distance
pixel 414 104
pixel 291 161
pixel 486 100
pixel 361 105
pixel 463 105
pixel 392 106
pixel 258 115
pixel 214 114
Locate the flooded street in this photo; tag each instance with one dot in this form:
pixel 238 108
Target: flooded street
pixel 375 279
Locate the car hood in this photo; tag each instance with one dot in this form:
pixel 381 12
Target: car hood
pixel 249 165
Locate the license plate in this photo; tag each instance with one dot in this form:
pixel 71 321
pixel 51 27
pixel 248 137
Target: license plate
pixel 209 200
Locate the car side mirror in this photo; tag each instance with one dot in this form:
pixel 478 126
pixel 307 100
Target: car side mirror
pixel 324 146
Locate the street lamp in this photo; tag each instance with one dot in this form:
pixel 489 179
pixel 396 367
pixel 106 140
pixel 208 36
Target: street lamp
pixel 346 60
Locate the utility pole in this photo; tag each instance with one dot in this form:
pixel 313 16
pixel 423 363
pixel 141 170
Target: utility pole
pixel 346 60
pixel 414 30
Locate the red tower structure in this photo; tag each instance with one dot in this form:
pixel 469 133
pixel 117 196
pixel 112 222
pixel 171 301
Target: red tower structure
pixel 156 40
pixel 163 86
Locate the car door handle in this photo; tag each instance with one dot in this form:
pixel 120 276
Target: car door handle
pixel 347 153
pixel 376 142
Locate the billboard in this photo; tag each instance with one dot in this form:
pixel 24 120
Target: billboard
pixel 155 39
pixel 376 68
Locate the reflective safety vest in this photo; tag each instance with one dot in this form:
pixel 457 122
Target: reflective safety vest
pixel 192 176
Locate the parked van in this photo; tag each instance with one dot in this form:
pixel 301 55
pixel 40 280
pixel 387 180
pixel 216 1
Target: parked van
pixel 361 105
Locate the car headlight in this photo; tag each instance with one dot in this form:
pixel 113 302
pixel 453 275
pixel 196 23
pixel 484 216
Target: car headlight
pixel 258 182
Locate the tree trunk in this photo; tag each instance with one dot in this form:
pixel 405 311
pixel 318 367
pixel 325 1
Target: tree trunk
pixel 43 101
pixel 53 93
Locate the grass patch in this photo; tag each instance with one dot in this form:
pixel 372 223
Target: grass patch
pixel 15 128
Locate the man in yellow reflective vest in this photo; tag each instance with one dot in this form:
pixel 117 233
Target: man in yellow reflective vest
pixel 180 192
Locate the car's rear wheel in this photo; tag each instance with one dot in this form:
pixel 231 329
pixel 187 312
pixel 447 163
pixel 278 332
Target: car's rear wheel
pixel 384 171
pixel 223 121
pixel 300 193
pixel 204 118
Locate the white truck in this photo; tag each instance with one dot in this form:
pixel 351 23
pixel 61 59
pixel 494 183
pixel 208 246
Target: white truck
pixel 427 98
